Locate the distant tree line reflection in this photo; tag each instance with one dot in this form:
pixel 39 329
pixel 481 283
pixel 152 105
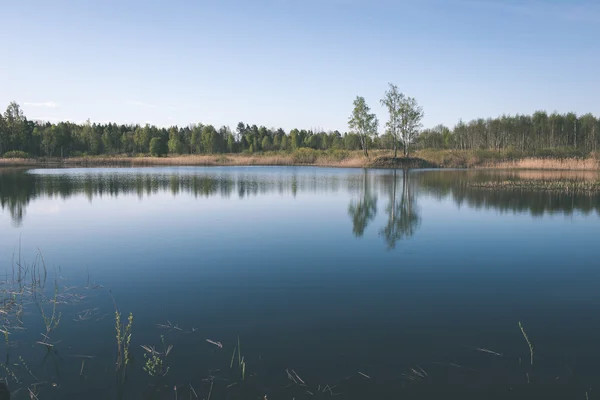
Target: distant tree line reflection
pixel 457 186
pixel 398 190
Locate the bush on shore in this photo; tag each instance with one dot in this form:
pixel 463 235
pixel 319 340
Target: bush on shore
pixel 15 154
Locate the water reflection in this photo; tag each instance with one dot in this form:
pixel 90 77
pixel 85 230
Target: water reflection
pixel 363 210
pixel 456 185
pixel 400 190
pixel 294 265
pixel 403 217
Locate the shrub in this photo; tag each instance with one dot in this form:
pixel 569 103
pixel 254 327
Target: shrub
pixel 487 155
pixel 304 156
pixel 15 154
pixel 560 152
pixel 337 155
pixel 222 159
pixel 512 154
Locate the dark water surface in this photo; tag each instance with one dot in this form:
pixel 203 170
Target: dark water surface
pixel 362 284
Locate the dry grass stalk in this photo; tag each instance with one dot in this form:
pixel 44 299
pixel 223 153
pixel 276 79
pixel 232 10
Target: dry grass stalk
pixel 528 342
pixel 218 344
pixel 367 376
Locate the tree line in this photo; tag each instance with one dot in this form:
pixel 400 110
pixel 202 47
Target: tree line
pixel 20 135
pixel 526 133
pixel 532 134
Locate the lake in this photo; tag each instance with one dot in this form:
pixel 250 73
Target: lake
pixel 298 282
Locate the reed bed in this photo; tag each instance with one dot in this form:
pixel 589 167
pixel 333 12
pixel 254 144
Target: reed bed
pixel 567 164
pixel 329 158
pixel 551 174
pixel 8 162
pixel 213 160
pixel 559 186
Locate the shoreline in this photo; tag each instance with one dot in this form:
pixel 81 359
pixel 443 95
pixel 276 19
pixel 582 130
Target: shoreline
pixel 378 160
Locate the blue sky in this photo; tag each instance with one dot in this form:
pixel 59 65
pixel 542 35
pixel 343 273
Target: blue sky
pixel 288 63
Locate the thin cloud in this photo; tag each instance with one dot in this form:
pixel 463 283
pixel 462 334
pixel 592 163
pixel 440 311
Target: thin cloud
pixel 140 104
pixel 47 104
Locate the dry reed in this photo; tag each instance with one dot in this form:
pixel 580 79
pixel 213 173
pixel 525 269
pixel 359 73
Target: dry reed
pixel 528 342
pixel 341 159
pixel 569 164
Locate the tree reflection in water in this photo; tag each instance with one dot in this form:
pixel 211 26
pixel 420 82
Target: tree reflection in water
pixel 363 210
pixel 401 188
pixel 403 218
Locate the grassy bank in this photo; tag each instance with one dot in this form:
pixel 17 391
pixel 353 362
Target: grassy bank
pixel 336 158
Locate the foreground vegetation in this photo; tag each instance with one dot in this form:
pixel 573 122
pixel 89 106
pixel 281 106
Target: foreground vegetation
pixel 42 316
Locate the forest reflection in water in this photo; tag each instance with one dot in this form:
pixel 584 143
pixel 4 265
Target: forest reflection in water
pixel 398 190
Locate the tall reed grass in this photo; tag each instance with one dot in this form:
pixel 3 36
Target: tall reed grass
pixel 331 158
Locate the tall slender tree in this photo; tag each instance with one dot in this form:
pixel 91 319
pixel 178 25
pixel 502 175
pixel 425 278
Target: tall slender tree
pixel 3 135
pixel 405 117
pixel 363 123
pixel 15 126
pixel 175 144
pixel 410 116
pixel 392 100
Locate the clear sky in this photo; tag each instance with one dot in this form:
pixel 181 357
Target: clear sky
pixel 296 63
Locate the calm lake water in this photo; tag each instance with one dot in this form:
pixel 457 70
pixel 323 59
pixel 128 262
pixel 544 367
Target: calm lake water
pixel 358 284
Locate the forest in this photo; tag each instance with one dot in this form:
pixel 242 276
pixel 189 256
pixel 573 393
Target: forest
pixel 538 134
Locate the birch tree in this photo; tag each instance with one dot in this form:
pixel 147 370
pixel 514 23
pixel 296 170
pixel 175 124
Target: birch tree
pixel 392 101
pixel 410 116
pixel 363 123
pixel 405 117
